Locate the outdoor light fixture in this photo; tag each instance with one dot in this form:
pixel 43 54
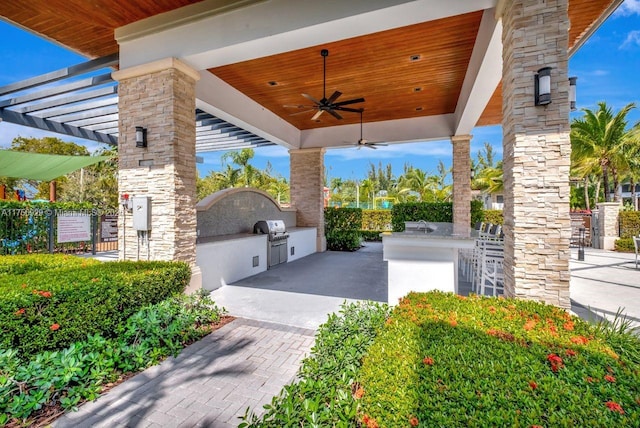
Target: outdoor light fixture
pixel 141 137
pixel 543 86
pixel 572 92
pixel 473 173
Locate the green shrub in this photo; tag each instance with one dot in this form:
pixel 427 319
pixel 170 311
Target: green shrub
pixel 20 264
pixel 477 212
pixel 629 224
pixel 324 394
pixel 69 376
pixel 446 360
pixel 414 211
pixel 493 216
pixel 624 245
pixel 50 309
pixel 342 228
pixel 376 220
pixel 441 212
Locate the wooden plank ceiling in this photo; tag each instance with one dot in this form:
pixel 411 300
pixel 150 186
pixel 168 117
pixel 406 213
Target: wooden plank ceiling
pixel 377 66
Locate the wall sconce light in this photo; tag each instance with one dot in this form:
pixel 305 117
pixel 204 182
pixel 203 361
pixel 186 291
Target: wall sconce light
pixel 473 173
pixel 141 137
pixel 543 86
pixel 572 92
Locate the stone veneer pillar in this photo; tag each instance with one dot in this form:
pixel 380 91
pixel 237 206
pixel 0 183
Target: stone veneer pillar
pixel 536 152
pixel 461 183
pixel 307 190
pixel 159 96
pixel 608 216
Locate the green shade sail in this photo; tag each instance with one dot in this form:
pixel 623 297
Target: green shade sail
pixel 36 166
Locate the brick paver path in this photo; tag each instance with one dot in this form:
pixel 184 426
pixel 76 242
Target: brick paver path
pixel 211 383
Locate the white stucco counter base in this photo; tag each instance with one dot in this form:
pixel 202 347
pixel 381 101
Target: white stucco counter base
pixel 422 262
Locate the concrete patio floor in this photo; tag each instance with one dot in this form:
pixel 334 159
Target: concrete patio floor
pixel 303 292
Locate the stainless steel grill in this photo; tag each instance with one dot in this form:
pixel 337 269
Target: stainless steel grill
pixel 277 240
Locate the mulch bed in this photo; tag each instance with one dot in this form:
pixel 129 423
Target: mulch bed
pixel 48 414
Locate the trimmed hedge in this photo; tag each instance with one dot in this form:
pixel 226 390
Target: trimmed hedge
pixel 629 224
pixel 342 228
pixel 624 245
pixel 439 212
pixel 446 360
pixel 50 309
pixel 376 220
pixel 20 264
pixel 493 216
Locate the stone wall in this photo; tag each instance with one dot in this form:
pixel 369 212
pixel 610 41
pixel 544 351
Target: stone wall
pixel 306 188
pixel 237 210
pixel 536 152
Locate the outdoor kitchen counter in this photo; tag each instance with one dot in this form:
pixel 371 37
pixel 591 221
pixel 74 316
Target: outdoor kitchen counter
pixel 225 259
pixel 421 262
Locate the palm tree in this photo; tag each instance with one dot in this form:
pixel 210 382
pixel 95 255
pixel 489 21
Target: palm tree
pixel 242 158
pixel 490 179
pixel 279 189
pixel 599 137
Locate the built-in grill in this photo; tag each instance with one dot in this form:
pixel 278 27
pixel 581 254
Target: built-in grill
pixel 277 247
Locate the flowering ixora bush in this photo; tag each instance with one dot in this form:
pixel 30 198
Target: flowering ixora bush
pixel 447 360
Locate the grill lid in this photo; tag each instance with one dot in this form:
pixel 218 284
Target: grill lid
pixel 270 227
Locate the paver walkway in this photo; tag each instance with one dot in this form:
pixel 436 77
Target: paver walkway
pixel 211 383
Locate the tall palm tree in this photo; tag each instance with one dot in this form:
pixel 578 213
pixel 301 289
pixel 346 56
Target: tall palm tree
pixel 599 136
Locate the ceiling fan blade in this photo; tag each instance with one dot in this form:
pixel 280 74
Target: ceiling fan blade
pixel 334 114
pixel 378 144
pixel 310 98
pixel 298 106
pixel 353 101
pixel 302 112
pixel 355 110
pixel 334 97
pixel 317 115
pixel 371 146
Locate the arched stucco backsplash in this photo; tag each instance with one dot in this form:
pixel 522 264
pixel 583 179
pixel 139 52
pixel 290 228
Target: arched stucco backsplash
pixel 236 210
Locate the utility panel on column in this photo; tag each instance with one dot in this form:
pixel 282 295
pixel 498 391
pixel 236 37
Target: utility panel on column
pixel 141 213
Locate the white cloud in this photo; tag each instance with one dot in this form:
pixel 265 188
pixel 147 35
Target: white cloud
pixel 600 72
pixel 632 40
pixel 628 8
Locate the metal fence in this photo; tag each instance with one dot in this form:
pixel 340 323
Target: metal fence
pixel 32 230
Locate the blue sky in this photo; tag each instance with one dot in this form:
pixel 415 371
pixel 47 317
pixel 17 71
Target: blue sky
pixel 607 66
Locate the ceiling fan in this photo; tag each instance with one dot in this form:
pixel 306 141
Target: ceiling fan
pixel 327 104
pixel 365 143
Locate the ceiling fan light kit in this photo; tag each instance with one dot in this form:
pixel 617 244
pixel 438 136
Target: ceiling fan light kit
pixel 327 104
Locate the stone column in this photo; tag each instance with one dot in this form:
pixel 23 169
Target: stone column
pixel 306 188
pixel 461 183
pixel 159 96
pixel 608 216
pixel 537 152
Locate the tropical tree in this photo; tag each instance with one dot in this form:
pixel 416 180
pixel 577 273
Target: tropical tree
pixel 279 189
pixel 599 138
pixel 490 179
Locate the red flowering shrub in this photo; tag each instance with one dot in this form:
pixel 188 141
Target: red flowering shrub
pixel 533 384
pixel 555 361
pixel 413 421
pixel 54 327
pixel 610 378
pixel 614 407
pixel 428 361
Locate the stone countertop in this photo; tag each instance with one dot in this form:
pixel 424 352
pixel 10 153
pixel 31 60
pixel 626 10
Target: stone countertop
pixel 221 238
pixel 235 236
